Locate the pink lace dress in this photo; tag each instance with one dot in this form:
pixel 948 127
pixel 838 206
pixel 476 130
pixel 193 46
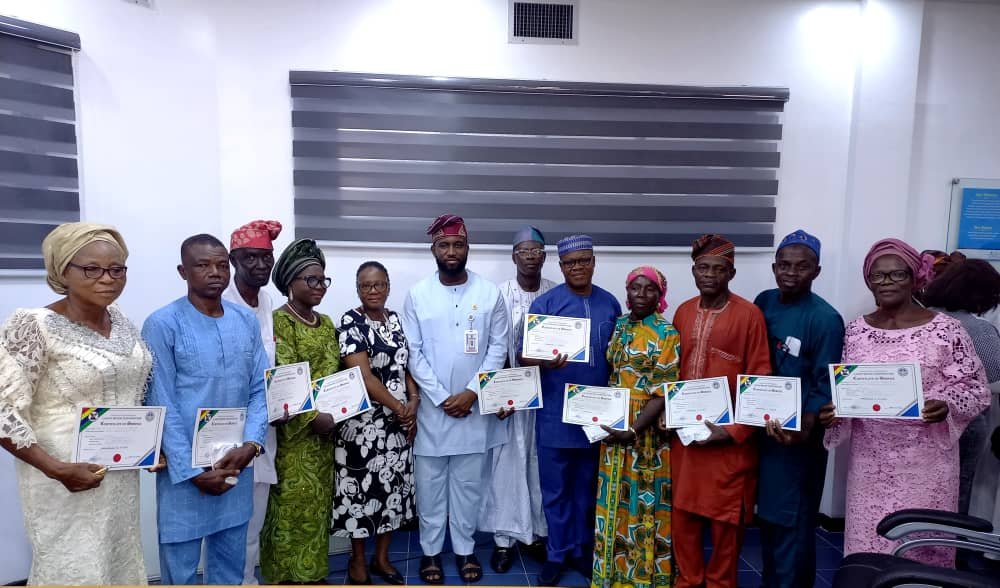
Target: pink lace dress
pixel 908 464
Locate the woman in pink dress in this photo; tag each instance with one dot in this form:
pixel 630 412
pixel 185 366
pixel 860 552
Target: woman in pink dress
pixel 897 464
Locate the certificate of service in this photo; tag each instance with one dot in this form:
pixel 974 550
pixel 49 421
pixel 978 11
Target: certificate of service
pixel 760 399
pixel 342 395
pixel 547 337
pixel 216 431
pixel 518 388
pixel 594 405
pixel 288 389
pixel 119 437
pixel 692 402
pixel 877 390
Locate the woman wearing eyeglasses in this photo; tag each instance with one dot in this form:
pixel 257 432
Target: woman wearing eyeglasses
pixel 81 519
pixel 374 449
pixel 897 464
pixel 295 541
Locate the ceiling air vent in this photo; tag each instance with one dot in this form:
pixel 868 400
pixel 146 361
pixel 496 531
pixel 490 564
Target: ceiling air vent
pixel 543 22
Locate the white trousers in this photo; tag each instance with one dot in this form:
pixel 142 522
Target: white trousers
pixel 260 494
pixel 449 497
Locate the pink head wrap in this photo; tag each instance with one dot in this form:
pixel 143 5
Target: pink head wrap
pixel 654 275
pixel 922 266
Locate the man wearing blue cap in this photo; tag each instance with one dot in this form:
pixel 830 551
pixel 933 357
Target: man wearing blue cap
pixel 512 510
pixel 805 335
pixel 567 462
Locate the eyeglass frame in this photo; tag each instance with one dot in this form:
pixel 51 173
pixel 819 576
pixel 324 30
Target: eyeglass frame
pixel 327 282
pixel 906 274
pixel 533 252
pixel 376 287
pixel 573 263
pixel 87 269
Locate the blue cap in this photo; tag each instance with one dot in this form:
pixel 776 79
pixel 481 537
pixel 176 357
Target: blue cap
pixel 803 238
pixel 575 243
pixel 528 233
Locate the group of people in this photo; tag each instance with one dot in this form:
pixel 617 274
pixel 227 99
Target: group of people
pixel 629 510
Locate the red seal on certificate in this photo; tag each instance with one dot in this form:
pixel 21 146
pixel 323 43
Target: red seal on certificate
pixel 767 417
pixel 697 418
pixel 555 352
pixel 594 419
pixel 117 457
pixel 286 407
pixel 876 407
pixel 343 410
pixel 510 403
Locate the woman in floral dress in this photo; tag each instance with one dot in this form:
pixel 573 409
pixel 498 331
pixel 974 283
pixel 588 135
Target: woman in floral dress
pixel 374 456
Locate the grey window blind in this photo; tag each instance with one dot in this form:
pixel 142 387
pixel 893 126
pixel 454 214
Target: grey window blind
pixel 377 157
pixel 39 185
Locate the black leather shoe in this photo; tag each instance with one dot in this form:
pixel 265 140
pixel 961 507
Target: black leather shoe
pixel 393 577
pixel 550 574
pixel 502 559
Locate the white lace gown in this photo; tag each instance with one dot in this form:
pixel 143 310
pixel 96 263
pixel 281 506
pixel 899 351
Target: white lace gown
pixel 49 368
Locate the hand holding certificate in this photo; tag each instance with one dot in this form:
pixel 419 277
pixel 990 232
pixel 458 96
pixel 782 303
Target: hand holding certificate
pixel 547 337
pixel 760 399
pixel 119 437
pixel 878 391
pixel 594 405
pixel 692 402
pixel 342 395
pixel 288 390
pixel 216 432
pixel 516 388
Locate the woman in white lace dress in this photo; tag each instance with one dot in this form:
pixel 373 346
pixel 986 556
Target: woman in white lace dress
pixel 82 522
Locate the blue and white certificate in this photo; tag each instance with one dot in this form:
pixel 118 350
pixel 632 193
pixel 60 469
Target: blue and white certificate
pixel 548 337
pixel 595 405
pixel 692 402
pixel 119 437
pixel 216 432
pixel 288 389
pixel 518 388
pixel 877 390
pixel 760 399
pixel 342 395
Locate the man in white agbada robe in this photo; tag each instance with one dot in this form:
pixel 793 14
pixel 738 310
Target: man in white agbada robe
pixel 512 509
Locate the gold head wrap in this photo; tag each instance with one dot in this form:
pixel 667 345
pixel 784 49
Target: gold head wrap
pixel 66 240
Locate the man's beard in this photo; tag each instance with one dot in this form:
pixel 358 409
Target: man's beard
pixel 452 273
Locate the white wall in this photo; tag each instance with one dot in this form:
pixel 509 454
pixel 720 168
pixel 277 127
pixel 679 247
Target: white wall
pixel 185 123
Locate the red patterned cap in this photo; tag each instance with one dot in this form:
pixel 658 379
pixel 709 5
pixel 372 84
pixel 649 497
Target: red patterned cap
pixel 256 234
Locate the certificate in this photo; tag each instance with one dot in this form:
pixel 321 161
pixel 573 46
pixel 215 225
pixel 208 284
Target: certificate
pixel 547 337
pixel 692 402
pixel 519 388
pixel 877 390
pixel 119 437
pixel 594 405
pixel 216 431
pixel 288 389
pixel 760 399
pixel 342 395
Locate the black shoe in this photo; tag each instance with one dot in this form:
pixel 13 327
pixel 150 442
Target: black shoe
pixel 550 574
pixel 390 577
pixel 502 559
pixel 535 551
pixel 469 568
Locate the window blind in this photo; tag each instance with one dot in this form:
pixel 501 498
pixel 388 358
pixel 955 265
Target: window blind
pixel 377 157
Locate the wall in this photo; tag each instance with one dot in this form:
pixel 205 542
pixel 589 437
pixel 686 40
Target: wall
pixel 185 124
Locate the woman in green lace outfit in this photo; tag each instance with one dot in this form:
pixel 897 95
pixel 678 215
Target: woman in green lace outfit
pixel 294 542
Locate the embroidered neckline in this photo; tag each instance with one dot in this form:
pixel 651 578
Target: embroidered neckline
pixel 120 342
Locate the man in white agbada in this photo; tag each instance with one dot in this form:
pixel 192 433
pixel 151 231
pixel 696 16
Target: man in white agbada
pixel 456 326
pixel 252 254
pixel 512 510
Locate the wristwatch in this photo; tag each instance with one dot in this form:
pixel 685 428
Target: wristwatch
pixel 257 448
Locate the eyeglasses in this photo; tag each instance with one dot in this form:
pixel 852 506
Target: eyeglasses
pixel 529 252
pixel 314 282
pixel 96 272
pixel 376 287
pixel 572 263
pixel 894 276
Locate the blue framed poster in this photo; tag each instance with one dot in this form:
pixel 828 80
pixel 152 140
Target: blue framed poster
pixel 979 219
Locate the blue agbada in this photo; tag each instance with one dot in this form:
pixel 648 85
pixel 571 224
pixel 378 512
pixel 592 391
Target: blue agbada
pixel 203 362
pixel 603 310
pixel 804 337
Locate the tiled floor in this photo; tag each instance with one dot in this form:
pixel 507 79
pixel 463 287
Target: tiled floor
pixel 405 555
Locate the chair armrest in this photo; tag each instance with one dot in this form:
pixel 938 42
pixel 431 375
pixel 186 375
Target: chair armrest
pixel 934 517
pixel 915 573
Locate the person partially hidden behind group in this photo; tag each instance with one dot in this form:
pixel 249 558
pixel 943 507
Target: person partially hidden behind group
pixel 296 537
pixel 82 521
pixel 897 464
pixel 374 455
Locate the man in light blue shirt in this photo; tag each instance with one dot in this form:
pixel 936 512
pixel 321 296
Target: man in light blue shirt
pixel 456 325
pixel 207 353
